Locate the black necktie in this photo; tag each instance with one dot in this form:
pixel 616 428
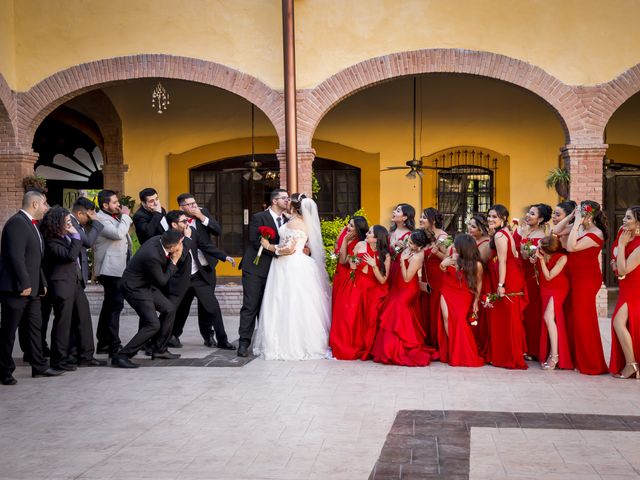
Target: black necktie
pixel 279 220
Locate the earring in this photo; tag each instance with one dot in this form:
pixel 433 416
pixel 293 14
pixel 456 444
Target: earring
pixel 638 231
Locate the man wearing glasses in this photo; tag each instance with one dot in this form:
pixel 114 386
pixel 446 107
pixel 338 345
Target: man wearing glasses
pixel 254 277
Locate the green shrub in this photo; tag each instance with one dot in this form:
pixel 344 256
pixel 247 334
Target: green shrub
pixel 330 231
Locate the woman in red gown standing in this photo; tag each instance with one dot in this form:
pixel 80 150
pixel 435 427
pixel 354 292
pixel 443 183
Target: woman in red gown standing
pixel 479 230
pixel 400 340
pixel 588 234
pixel 375 262
pixel 431 221
pixel 460 293
pixel 527 237
pixel 554 289
pixel 507 342
pixel 562 220
pixel 625 331
pixel 345 336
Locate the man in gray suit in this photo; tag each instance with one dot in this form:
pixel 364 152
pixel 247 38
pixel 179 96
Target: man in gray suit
pixel 110 254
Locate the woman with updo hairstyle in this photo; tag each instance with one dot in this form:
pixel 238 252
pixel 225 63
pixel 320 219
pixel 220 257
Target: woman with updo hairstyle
pixel 432 221
pixel 345 335
pixel 507 342
pixel 400 338
pixel 527 237
pixel 562 220
pixel 625 324
pixel 584 244
pixel 478 228
pixel 459 304
pixel 554 290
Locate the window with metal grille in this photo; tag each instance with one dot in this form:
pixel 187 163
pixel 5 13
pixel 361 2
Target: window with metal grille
pixel 463 191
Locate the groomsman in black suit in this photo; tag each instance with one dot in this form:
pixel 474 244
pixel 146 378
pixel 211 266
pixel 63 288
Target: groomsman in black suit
pixel 254 277
pixel 196 279
pixel 149 219
pixel 143 281
pixel 21 284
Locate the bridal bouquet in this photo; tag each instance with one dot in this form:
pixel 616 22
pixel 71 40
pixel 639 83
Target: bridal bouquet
pixel 267 233
pixel 399 248
pixel 445 243
pixel 488 300
pixel 529 250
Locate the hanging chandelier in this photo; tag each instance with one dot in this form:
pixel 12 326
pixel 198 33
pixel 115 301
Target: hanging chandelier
pixel 159 98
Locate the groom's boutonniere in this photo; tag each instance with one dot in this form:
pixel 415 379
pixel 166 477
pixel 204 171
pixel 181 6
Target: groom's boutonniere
pixel 267 233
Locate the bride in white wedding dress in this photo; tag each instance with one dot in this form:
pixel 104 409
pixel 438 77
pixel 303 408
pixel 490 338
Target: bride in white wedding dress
pixel 295 315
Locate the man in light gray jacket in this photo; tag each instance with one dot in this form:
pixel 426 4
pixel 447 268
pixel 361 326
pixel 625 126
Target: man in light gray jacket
pixel 111 252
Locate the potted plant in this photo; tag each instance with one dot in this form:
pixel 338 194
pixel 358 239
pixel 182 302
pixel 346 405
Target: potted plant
pixel 35 182
pixel 559 178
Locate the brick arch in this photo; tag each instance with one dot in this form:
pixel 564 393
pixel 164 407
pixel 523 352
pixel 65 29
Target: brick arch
pixel 607 98
pixel 562 98
pixel 7 116
pixel 35 104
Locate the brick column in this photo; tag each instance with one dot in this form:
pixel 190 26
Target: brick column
pixel 305 168
pixel 13 168
pixel 113 176
pixel 584 163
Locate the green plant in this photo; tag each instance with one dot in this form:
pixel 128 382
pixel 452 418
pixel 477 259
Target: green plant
pixel 330 231
pixel 559 178
pixel 127 201
pixel 34 182
pixel 315 185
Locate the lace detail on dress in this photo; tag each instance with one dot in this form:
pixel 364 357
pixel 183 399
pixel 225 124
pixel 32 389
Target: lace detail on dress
pixel 292 237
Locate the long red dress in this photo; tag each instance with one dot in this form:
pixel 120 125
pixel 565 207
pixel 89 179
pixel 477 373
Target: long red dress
pixel 629 294
pixel 432 274
pixel 458 349
pixel 342 271
pixel 585 278
pixel 374 294
pixel 345 336
pixel 481 331
pixel 558 289
pixel 507 342
pixel 532 313
pixel 394 269
pixel 400 339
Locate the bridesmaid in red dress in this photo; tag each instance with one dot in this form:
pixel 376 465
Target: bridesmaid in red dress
pixel 625 331
pixel 554 289
pixel 588 234
pixel 562 220
pixel 431 221
pixel 345 337
pixel 376 263
pixel 479 230
pixel 460 293
pixel 527 237
pixel 400 340
pixel 507 342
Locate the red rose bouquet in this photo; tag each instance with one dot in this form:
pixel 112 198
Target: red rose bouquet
pixel 267 233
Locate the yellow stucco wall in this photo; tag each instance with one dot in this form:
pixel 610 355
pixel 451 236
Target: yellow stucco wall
pixel 620 153
pixel 7 42
pixel 579 41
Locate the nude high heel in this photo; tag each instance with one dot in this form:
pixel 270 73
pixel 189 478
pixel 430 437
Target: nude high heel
pixel 633 372
pixel 551 363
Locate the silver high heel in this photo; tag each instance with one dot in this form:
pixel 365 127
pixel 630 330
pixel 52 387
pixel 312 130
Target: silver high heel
pixel 551 363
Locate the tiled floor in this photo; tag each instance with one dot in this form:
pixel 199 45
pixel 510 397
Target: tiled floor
pixel 281 420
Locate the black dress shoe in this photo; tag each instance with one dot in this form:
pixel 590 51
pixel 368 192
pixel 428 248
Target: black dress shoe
pixel 148 351
pixel 64 367
pixel 243 350
pixel 174 342
pixel 49 372
pixel 92 362
pixel 121 361
pixel 167 355
pixel 226 346
pixel 8 380
pixel 210 342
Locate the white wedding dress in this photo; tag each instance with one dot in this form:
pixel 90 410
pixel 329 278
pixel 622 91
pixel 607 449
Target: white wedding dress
pixel 295 316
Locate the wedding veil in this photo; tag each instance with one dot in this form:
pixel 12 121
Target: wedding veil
pixel 309 211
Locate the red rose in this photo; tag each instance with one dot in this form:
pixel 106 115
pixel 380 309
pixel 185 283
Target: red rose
pixel 266 232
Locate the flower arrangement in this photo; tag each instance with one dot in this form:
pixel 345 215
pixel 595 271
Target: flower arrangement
pixel 267 233
pixel 587 210
pixel 473 319
pixel 528 249
pixel 399 248
pixel 488 300
pixel 356 260
pixel 445 243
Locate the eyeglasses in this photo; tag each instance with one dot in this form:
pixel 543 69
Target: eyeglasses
pixel 284 198
pixel 183 221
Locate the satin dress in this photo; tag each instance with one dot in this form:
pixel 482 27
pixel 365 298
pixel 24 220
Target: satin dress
pixel 373 296
pixel 432 274
pixel 532 312
pixel 481 331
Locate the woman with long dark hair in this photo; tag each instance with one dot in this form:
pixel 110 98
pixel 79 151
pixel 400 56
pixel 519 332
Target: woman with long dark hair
pixel 350 235
pixel 562 220
pixel 585 242
pixel 625 324
pixel 403 222
pixel 459 303
pixel 478 228
pixel 527 237
pixel 507 342
pixel 400 339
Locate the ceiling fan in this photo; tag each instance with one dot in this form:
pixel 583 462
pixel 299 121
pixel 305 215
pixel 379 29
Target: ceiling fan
pixel 252 174
pixel 415 166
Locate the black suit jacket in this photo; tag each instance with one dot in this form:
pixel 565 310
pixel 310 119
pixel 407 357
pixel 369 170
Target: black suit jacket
pixel 88 238
pixel 148 269
pixel 204 233
pixel 262 269
pixel 148 224
pixel 21 257
pixel 61 266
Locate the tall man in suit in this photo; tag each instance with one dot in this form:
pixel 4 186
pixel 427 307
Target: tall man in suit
pixel 21 284
pixel 110 254
pixel 149 219
pixel 254 277
pixel 142 283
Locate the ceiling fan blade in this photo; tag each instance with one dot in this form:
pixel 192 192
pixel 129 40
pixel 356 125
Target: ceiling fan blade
pixel 256 176
pixel 247 176
pixel 396 168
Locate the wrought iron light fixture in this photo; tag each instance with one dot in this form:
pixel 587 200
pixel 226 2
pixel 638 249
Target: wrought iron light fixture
pixel 159 98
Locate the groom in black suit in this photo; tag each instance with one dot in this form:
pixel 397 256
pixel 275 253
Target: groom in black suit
pixel 254 277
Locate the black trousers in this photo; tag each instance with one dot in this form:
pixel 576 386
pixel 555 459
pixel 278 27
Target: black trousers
pixel 72 319
pixel 209 313
pixel 252 293
pixel 21 311
pixel 152 325
pixel 46 306
pixel 109 321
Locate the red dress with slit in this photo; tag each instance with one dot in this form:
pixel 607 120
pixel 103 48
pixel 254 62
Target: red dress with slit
pixel 584 333
pixel 557 289
pixel 629 294
pixel 400 339
pixel 458 348
pixel 432 274
pixel 374 294
pixel 507 343
pixel 481 331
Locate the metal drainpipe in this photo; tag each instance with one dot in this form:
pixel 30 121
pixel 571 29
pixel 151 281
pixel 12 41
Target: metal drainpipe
pixel 290 110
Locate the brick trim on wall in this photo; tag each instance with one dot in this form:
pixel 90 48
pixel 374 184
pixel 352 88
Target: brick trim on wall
pixel 8 113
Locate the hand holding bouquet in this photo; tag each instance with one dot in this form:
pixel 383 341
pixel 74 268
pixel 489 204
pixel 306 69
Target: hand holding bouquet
pixel 267 233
